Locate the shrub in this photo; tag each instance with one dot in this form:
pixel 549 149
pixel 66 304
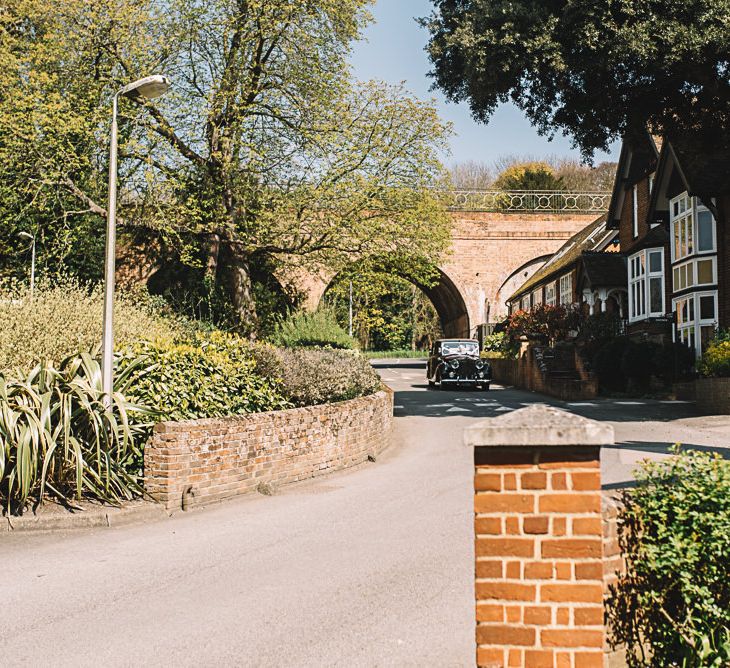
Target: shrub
pixel 319 376
pixel 607 364
pixel 66 317
pixel 716 358
pixel 674 533
pixel 210 375
pixel 312 330
pixel 636 363
pixel 545 320
pixel 499 345
pixel 56 435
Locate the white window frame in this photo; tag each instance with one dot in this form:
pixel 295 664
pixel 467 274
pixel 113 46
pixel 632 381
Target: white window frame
pixel 640 277
pixel 537 297
pixel 635 210
pixel 551 294
pixel 689 331
pixel 566 289
pixel 690 267
pixel 525 303
pixel 683 241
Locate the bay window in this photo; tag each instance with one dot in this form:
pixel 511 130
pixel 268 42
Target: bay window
pixel 646 284
pixel 692 228
pixel 696 319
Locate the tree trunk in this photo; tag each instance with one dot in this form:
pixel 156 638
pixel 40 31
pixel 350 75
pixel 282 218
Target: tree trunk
pixel 211 261
pixel 236 279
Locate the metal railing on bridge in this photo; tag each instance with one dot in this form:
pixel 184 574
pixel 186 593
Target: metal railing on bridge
pixel 531 201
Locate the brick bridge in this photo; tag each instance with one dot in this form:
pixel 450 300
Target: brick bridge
pixel 498 240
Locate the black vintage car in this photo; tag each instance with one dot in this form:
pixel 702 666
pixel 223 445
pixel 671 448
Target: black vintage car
pixel 457 362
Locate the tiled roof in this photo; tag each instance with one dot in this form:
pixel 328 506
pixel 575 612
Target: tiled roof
pixel 604 269
pixel 594 236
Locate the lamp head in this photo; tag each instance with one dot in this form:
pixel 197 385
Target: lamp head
pixel 149 87
pixel 26 235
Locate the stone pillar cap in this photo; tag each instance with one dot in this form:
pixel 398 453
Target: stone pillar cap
pixel 538 425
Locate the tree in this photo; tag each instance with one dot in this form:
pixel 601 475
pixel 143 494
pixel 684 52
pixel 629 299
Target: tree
pixel 529 176
pixel 596 71
pixel 265 153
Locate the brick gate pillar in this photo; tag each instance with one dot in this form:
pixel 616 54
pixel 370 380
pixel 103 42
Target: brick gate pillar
pixel 539 548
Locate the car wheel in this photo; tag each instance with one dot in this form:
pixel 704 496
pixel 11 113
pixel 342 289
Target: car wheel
pixel 431 383
pixel 485 387
pixel 439 384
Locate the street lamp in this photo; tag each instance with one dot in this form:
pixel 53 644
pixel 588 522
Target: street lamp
pixel 28 235
pixel 150 88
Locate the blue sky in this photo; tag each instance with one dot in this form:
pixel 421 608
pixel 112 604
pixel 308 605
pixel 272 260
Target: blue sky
pixel 394 52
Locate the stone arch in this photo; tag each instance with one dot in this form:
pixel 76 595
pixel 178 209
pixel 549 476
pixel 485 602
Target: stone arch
pixel 445 297
pixel 517 277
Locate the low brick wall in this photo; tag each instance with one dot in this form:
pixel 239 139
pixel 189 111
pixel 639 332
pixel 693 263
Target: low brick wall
pixel 200 461
pixel 713 395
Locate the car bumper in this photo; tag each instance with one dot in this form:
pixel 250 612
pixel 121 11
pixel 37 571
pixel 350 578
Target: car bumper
pixel 466 381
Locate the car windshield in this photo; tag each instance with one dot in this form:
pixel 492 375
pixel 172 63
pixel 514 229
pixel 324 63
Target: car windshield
pixel 459 348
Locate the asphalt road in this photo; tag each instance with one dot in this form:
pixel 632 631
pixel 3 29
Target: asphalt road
pixel 372 567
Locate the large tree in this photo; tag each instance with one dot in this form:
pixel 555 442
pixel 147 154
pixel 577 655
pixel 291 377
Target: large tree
pixel 595 70
pixel 265 152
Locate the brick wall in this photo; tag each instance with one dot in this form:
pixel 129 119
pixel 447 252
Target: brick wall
pixel 539 546
pixel 200 461
pixel 626 233
pixel 713 395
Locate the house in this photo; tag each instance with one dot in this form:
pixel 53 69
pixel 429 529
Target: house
pixel 587 269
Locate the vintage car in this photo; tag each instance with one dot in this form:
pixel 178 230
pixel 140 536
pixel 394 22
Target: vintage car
pixel 457 362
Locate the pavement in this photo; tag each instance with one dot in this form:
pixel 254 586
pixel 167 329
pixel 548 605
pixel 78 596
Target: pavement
pixel 370 567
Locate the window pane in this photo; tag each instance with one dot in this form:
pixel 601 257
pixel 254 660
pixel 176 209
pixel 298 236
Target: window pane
pixel 655 261
pixel 707 308
pixel 704 231
pixel 655 295
pixel 704 271
pixel 675 277
pixel 690 236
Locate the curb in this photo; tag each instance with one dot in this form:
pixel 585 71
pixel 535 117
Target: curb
pixel 136 512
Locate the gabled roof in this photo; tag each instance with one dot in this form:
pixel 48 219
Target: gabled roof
pixel 604 269
pixel 594 237
pixel 639 157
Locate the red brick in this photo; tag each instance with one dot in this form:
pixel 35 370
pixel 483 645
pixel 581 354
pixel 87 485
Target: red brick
pixel 559 526
pixel 491 502
pixel 489 568
pixel 578 548
pixel 589 571
pixel 490 612
pixel 538 570
pixel 569 458
pixel 514 458
pixel 490 657
pixel 488 525
pixel 572 593
pixel 563 570
pixel 505 547
pixel 488 482
pixel 541 658
pixel 533 480
pixel 512 526
pixel 586 481
pixel 514 614
pixel 510 481
pixel 514 570
pixel 559 480
pixel 588 659
pixel 588 616
pixel 571 638
pixel 493 634
pixel 515 658
pixel 562 616
pixel 587 526
pixel 570 503
pixel 563 660
pixel 540 616
pixel 535 525
pixel 505 591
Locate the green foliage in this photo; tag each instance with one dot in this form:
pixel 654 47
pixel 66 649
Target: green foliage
pixel 312 330
pixel 66 317
pixel 500 345
pixel 390 310
pixel 395 354
pixel 674 531
pixel 648 60
pixel 318 376
pixel 529 176
pixel 716 358
pixel 210 375
pixel 57 437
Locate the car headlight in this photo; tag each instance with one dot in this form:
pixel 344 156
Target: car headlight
pixel 480 364
pixel 455 364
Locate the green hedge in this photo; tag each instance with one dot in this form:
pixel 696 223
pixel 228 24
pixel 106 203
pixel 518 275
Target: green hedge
pixel 716 358
pixel 674 599
pixel 312 330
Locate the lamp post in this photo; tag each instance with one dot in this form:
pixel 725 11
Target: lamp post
pixel 28 235
pixel 150 88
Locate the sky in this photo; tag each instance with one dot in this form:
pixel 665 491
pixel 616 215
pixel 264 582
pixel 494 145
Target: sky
pixel 394 52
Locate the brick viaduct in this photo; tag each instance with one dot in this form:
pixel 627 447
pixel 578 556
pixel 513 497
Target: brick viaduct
pixel 491 255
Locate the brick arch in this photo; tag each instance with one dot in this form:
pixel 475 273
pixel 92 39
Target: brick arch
pixel 445 297
pixel 517 277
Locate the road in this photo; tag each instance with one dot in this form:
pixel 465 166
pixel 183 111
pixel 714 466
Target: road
pixel 371 567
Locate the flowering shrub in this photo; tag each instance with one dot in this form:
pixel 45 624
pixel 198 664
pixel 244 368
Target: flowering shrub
pixel 545 320
pixel 716 358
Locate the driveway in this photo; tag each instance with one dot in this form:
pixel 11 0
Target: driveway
pixel 372 567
